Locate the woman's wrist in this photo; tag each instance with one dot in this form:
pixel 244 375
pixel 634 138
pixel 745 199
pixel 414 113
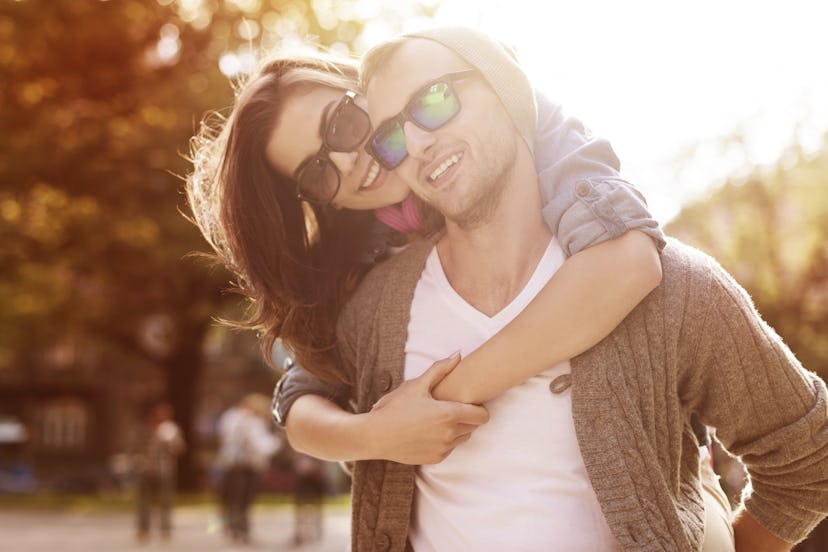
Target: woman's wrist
pixel 371 441
pixel 320 428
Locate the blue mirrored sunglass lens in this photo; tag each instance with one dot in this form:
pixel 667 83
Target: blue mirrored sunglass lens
pixel 389 144
pixel 435 107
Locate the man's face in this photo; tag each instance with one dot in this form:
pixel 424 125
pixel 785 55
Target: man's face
pixel 462 167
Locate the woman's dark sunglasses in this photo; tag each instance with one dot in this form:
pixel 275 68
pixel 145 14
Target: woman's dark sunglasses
pixel 431 107
pixel 317 178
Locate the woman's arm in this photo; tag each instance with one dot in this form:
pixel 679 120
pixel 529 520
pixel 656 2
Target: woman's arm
pixel 409 426
pixel 588 296
pixel 591 211
pixel 604 224
pixel 585 199
pixel 580 305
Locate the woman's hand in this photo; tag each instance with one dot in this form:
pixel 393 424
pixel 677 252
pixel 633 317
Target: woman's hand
pixel 410 426
pixel 407 425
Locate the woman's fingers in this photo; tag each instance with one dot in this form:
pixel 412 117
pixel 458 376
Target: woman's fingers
pixel 470 414
pixel 423 384
pixel 418 429
pixel 463 434
pixel 439 370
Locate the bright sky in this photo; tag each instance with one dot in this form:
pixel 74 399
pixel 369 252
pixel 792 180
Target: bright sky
pixel 658 77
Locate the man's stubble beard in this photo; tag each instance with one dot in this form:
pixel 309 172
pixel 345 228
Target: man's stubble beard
pixel 490 180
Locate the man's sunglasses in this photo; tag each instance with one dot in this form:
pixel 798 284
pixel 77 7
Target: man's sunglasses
pixel 431 107
pixel 317 178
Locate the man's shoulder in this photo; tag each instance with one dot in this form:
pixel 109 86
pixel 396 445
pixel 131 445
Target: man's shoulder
pixel 399 271
pixel 680 260
pixel 687 269
pixel 389 284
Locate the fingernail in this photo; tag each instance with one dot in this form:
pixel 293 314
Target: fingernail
pixel 455 354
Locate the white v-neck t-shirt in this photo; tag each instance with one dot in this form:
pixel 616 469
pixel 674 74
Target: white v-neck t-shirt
pixel 519 483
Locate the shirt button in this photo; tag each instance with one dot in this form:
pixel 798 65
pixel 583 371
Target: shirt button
pixel 383 542
pixel 583 189
pixel 384 383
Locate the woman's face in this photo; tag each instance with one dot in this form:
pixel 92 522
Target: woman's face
pixel 363 184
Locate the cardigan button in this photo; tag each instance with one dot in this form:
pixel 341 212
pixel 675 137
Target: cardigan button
pixel 384 383
pixel 383 542
pixel 561 383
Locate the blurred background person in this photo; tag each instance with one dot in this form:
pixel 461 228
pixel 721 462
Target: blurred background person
pixel 157 470
pixel 311 487
pixel 93 245
pixel 246 446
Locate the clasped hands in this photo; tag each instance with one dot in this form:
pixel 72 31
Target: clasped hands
pixel 412 427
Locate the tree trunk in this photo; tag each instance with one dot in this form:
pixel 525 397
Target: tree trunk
pixel 183 369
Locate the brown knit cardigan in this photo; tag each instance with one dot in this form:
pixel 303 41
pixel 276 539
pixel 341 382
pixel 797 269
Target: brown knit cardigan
pixel 695 344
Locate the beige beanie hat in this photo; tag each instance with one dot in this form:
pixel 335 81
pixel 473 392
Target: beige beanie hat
pixel 499 66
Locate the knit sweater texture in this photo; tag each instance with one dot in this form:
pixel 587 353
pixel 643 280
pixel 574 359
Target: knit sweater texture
pixel 695 344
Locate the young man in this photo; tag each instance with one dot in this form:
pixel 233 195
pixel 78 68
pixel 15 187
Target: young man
pixel 596 453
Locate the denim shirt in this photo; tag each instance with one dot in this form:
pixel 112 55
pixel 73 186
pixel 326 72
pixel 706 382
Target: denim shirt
pixel 585 202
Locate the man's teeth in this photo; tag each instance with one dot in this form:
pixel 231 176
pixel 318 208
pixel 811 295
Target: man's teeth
pixel 438 172
pixel 372 175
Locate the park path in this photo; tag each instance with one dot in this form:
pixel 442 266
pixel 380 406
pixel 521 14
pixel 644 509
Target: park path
pixel 195 531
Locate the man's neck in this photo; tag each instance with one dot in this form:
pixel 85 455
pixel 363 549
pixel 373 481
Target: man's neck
pixel 489 264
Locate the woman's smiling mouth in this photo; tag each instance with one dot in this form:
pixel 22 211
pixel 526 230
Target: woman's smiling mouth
pixel 370 177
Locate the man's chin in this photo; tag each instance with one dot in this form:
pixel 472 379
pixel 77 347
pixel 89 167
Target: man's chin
pixel 467 219
pixel 472 213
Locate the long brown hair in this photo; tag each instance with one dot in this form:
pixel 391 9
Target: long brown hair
pixel 295 262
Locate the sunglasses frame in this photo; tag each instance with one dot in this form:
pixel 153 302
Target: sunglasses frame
pixel 405 115
pixel 323 155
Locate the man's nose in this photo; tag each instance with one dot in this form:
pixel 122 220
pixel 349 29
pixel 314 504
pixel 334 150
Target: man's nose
pixel 345 161
pixel 418 142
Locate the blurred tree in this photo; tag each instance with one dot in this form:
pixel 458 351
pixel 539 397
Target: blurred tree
pixel 99 99
pixel 770 231
pixel 95 115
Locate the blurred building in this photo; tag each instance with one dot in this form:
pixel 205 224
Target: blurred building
pixel 70 415
pixel 79 402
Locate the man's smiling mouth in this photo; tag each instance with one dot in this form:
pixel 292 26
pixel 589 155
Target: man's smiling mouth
pixel 444 166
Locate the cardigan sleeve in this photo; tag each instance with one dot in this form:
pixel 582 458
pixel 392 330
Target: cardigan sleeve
pixel 766 409
pixel 585 199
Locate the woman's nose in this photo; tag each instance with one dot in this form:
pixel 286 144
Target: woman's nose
pixel 417 141
pixel 345 161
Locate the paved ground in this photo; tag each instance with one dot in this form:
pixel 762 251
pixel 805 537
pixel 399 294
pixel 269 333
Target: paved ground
pixel 195 530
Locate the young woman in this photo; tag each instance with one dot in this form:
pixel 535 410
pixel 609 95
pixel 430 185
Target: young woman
pixel 284 192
